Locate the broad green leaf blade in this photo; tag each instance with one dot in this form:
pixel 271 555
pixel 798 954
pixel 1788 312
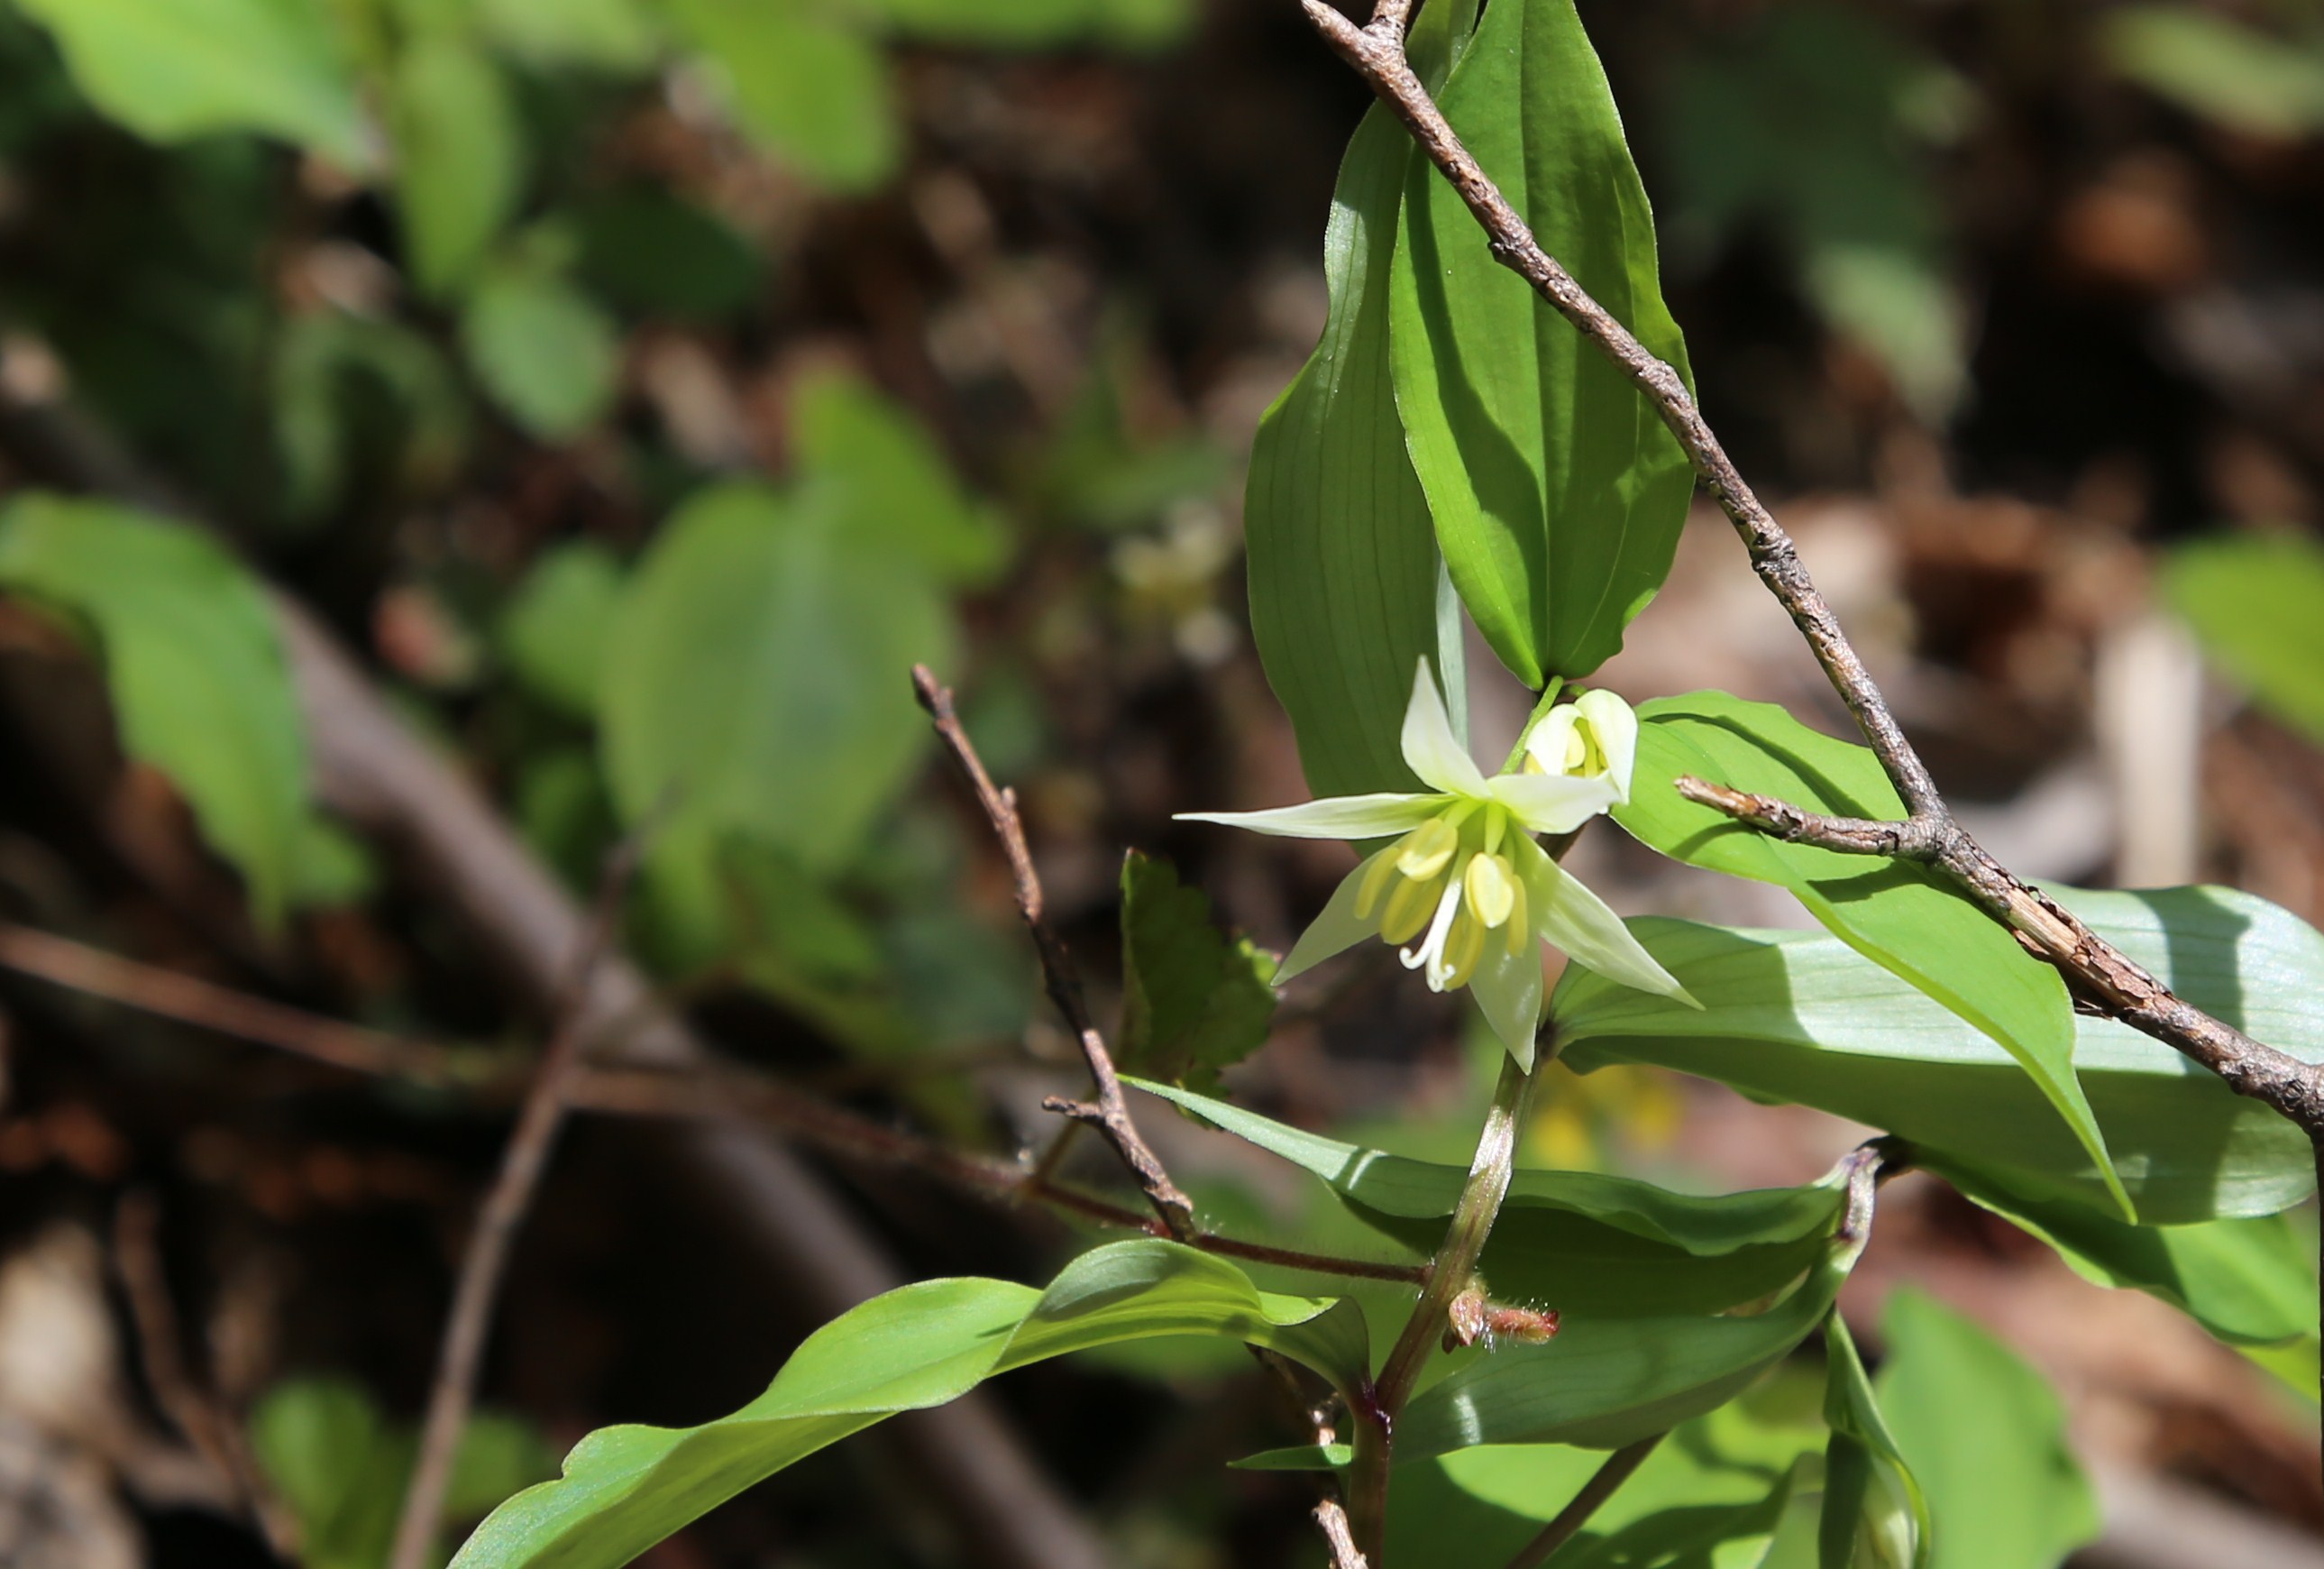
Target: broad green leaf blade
pixel 459 157
pixel 756 671
pixel 627 1487
pixel 171 69
pixel 1194 1000
pixel 553 631
pixel 1797 1017
pixel 194 662
pixel 1874 1514
pixel 813 91
pixel 1342 560
pixel 542 348
pixel 1588 1245
pixel 2250 1282
pixel 2257 604
pixel 1558 493
pixel 896 485
pixel 1897 915
pixel 1606 1383
pixel 1986 1439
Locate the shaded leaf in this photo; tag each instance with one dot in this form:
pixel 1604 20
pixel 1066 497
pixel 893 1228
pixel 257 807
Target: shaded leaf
pixel 553 629
pixel 544 351
pixel 1900 916
pixel 1794 1016
pixel 194 662
pixel 2257 604
pixel 1194 1000
pixel 895 485
pixel 169 70
pixel 1558 492
pixel 1987 1440
pixel 626 1488
pixel 647 249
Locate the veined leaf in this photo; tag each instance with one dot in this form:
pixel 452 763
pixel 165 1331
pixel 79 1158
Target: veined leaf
pixel 1874 1514
pixel 1898 915
pixel 1585 1244
pixel 1986 1439
pixel 1194 1001
pixel 171 69
pixel 1558 493
pixel 194 662
pixel 627 1487
pixel 2259 607
pixel 1793 1016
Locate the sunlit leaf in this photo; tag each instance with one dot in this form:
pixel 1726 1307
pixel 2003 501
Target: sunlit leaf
pixel 544 351
pixel 621 35
pixel 459 157
pixel 1901 915
pixel 195 665
pixel 812 91
pixel 1558 493
pixel 626 1488
pixel 553 630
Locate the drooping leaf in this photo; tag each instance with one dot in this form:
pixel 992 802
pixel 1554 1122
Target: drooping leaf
pixel 1585 1244
pixel 2230 73
pixel 1874 1514
pixel 894 484
pixel 169 70
pixel 195 665
pixel 1986 1439
pixel 1791 1016
pixel 756 671
pixel 553 630
pixel 1898 915
pixel 2259 607
pixel 2250 1282
pixel 459 157
pixel 626 1488
pixel 811 90
pixel 1194 1000
pixel 1558 493
pixel 542 348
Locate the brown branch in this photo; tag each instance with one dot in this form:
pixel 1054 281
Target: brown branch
pixel 1332 1521
pixel 1569 1520
pixel 1109 1114
pixel 522 1164
pixel 2092 967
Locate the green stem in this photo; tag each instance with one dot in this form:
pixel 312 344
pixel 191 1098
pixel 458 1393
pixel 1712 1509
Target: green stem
pixel 1542 706
pixel 1449 1274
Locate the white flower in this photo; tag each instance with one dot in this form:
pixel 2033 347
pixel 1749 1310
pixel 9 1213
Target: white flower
pixel 1464 877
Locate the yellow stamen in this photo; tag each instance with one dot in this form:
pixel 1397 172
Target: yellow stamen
pixel 1491 889
pixel 1520 931
pixel 1375 882
pixel 1426 849
pixel 1464 945
pixel 1409 909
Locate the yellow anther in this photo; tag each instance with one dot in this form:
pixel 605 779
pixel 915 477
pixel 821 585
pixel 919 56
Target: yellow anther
pixel 1409 909
pixel 1464 945
pixel 1375 883
pixel 1577 749
pixel 1520 933
pixel 1490 887
pixel 1427 848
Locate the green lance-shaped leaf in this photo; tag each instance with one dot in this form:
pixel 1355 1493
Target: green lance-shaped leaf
pixel 171 69
pixel 1347 591
pixel 1874 1514
pixel 1900 916
pixel 2259 607
pixel 1194 1000
pixel 2250 1282
pixel 459 157
pixel 1588 1245
pixel 1794 1016
pixel 1984 1438
pixel 1558 493
pixel 194 662
pixel 627 1487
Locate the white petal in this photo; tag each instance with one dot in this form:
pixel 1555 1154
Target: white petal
pixel 1617 734
pixel 1337 929
pixel 1553 738
pixel 1333 818
pixel 1508 989
pixel 1550 803
pixel 1429 744
pixel 1568 916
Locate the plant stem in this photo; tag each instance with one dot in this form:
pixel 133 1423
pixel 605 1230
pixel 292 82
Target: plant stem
pixel 1541 707
pixel 1447 1274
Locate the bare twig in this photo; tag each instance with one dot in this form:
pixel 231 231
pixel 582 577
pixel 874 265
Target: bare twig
pixel 522 1164
pixel 1594 1492
pixel 1332 1521
pixel 2092 967
pixel 194 1410
pixel 1109 1114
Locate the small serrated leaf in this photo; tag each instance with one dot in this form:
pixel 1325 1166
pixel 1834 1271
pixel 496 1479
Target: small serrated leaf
pixel 1194 1000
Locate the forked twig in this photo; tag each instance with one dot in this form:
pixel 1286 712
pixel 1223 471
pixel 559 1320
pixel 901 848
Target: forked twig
pixel 1109 1113
pixel 2092 967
